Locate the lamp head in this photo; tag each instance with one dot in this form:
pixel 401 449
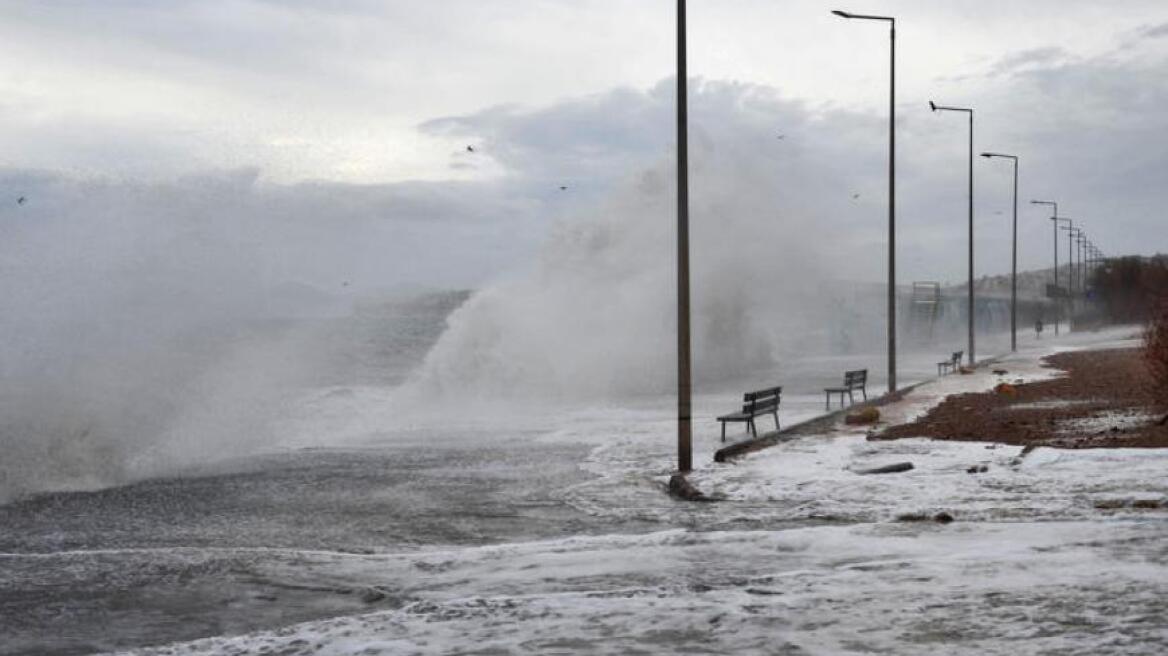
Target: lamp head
pixel 841 14
pixel 932 105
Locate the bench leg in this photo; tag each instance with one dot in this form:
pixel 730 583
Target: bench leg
pixel 723 431
pixel 864 391
pixel 827 401
pixel 753 431
pixel 851 398
pixel 776 420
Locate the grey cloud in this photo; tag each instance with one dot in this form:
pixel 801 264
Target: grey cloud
pixel 1065 117
pixel 1155 31
pixel 1018 61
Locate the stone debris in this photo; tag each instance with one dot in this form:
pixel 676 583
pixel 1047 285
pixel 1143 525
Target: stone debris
pixel 1140 504
pixel 888 469
pixel 941 517
pixel 1006 388
pixel 681 488
pixel 867 415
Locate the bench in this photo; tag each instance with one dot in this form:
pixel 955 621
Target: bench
pixel 762 402
pixel 951 365
pixel 853 380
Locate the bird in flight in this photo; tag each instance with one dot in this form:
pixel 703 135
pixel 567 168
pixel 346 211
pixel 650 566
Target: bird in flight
pixel 781 136
pixel 21 201
pixel 470 149
pixel 563 188
pixel 855 196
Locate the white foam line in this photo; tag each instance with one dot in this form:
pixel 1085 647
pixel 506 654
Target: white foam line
pixel 188 549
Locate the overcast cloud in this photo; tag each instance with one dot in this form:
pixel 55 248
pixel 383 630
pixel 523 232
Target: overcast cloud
pixel 366 108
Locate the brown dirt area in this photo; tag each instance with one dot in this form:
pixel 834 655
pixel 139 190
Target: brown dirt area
pixel 1105 400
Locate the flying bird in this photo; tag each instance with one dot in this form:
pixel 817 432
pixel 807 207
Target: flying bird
pixel 563 188
pixel 855 196
pixel 470 149
pixel 781 136
pixel 21 201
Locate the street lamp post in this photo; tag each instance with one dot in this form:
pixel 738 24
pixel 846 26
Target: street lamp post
pixel 1072 266
pixel 684 390
pixel 1070 281
pixel 1086 264
pixel 1053 224
pixel 1013 254
pixel 940 108
pixel 1079 268
pixel 891 188
pixel 1071 232
pixel 1090 260
pixel 1070 229
pixel 1082 242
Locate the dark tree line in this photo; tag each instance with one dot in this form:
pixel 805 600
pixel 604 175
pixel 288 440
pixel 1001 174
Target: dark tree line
pixel 1131 289
pixel 1135 289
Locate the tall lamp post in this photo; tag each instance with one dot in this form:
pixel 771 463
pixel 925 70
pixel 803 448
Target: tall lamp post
pixel 1079 254
pixel 941 108
pixel 1086 264
pixel 1053 224
pixel 684 389
pixel 1013 254
pixel 891 188
pixel 1082 241
pixel 1071 232
pixel 1070 279
pixel 1072 267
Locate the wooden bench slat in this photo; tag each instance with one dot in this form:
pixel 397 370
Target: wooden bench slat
pixel 951 364
pixel 754 404
pixel 856 379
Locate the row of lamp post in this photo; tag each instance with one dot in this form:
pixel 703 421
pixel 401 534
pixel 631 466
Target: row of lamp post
pixel 1080 237
pixel 1077 274
pixel 684 423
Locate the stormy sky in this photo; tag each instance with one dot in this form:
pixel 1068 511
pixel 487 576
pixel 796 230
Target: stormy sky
pixel 336 132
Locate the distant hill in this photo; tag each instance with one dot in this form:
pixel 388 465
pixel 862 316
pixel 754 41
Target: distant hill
pixel 1031 284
